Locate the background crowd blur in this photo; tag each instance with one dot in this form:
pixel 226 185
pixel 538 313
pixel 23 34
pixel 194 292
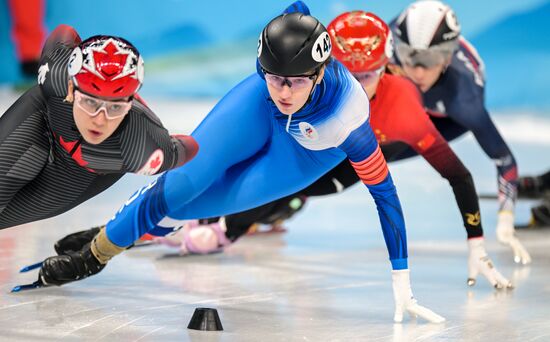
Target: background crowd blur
pixel 203 48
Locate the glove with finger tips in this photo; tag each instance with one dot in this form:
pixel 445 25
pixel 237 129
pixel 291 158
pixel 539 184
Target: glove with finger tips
pixel 405 301
pixel 479 262
pixel 197 238
pixel 506 235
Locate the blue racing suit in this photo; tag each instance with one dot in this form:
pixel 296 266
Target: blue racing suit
pixel 251 154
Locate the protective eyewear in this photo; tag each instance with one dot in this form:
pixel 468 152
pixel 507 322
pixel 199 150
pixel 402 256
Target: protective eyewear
pixel 426 58
pixel 368 76
pixel 298 82
pixel 92 106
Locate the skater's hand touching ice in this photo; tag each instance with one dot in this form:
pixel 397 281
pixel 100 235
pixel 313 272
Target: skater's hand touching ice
pixel 405 301
pixel 506 235
pixel 479 262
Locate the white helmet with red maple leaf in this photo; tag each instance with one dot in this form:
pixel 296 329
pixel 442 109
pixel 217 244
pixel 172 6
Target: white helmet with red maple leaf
pixel 106 66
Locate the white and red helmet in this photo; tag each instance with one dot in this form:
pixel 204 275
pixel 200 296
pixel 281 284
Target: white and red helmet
pixel 427 32
pixel 106 66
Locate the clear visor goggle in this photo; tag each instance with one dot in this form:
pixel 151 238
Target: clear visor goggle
pixel 435 55
pixel 295 82
pixel 92 106
pixel 368 76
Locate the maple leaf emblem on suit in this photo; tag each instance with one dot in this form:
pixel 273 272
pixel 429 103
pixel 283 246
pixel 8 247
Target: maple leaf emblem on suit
pixel 153 164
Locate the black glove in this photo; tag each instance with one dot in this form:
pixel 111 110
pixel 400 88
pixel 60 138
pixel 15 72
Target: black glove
pixel 62 269
pixel 74 242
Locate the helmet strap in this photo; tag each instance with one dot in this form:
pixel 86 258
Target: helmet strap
pixel 308 99
pixel 310 96
pixel 317 72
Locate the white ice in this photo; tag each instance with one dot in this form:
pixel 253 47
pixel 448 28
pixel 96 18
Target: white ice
pixel 327 279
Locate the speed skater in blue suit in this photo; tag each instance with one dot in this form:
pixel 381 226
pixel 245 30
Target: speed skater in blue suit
pixel 273 134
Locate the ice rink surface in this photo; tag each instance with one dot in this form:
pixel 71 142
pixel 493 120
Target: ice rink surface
pixel 326 279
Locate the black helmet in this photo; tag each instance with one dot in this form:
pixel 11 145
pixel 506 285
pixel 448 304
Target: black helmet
pixel 293 44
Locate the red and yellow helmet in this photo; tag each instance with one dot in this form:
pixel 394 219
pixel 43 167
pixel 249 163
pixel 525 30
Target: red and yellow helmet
pixel 361 41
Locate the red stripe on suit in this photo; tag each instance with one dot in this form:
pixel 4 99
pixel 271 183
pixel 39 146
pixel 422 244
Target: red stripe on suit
pixel 372 170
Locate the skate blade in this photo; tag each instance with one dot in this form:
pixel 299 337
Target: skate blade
pixel 31 267
pixel 25 287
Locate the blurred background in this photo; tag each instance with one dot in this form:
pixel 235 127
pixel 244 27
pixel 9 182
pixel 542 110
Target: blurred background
pixel 202 48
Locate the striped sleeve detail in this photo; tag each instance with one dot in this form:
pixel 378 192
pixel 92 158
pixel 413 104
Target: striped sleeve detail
pixel 142 136
pixel 372 170
pixel 474 57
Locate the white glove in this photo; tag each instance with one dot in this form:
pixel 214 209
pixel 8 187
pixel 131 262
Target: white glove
pixel 479 262
pixel 196 238
pixel 506 235
pixel 404 299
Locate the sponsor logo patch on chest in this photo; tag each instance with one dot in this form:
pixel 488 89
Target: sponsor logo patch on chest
pixel 308 131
